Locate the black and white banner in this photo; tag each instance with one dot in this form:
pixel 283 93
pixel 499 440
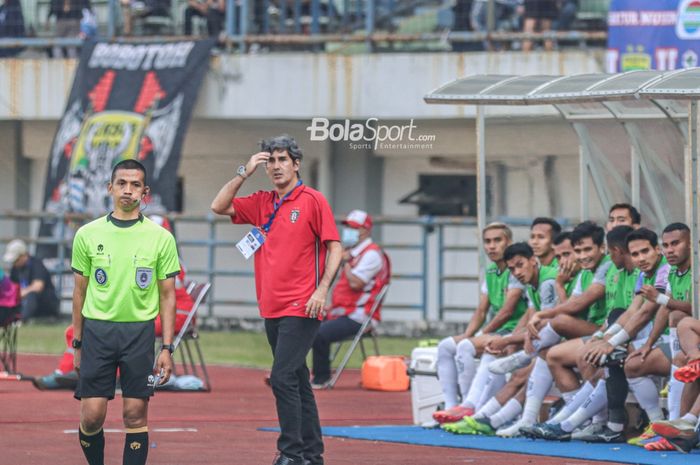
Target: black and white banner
pixel 128 100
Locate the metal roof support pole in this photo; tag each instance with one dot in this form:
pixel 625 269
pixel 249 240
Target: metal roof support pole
pixel 693 200
pixel 651 186
pixel 634 176
pixel 590 167
pixel 583 181
pixel 480 181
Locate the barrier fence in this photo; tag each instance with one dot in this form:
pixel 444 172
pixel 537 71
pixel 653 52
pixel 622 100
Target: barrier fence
pixel 433 260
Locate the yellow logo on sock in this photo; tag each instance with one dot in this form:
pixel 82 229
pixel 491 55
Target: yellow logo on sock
pixel 85 444
pixel 135 445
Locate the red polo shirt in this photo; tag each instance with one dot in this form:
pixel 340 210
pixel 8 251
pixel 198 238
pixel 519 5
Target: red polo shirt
pixel 290 264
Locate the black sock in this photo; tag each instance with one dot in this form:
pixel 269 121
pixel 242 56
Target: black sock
pixel 616 386
pixel 136 446
pixel 93 446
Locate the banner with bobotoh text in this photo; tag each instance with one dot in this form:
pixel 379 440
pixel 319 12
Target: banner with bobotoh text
pixel 128 100
pixel 653 34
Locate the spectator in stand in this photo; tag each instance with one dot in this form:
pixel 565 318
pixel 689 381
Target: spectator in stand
pixel 213 10
pixel 68 14
pixel 539 15
pixel 11 25
pixel 36 288
pixel 140 9
pixel 567 15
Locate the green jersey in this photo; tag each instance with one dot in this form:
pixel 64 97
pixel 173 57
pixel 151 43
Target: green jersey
pixel 545 296
pixel 123 260
pixel 680 285
pixel 496 286
pixel 596 312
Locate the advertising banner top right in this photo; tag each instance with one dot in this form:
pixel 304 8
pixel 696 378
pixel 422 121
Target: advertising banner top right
pixel 653 34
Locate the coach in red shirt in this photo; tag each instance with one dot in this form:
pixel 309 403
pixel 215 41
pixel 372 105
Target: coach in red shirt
pixel 297 252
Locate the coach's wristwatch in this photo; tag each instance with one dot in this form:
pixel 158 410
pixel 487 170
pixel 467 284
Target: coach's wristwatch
pixel 169 347
pixel 76 343
pixel 241 172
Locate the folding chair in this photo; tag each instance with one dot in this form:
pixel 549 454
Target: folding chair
pixel 365 330
pixel 188 333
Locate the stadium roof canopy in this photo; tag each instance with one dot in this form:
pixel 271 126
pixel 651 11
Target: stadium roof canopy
pixel 634 128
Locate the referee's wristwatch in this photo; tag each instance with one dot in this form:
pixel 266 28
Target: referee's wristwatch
pixel 169 347
pixel 76 343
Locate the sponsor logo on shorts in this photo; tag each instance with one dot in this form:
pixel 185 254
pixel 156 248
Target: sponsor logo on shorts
pixel 85 444
pixel 151 381
pixel 135 445
pixel 100 276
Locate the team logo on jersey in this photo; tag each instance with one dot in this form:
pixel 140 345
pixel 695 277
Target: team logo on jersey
pixel 100 249
pixel 144 276
pixel 294 215
pixel 100 276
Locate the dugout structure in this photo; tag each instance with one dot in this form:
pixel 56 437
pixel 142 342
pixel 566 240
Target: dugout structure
pixel 637 132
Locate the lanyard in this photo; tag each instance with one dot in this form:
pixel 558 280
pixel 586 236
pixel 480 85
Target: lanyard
pixel 266 226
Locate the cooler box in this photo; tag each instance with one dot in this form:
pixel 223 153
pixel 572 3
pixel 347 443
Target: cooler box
pixel 384 373
pixel 426 393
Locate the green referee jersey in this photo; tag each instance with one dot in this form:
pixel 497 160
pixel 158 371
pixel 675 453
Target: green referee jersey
pixel 680 285
pixel 123 261
pixel 498 283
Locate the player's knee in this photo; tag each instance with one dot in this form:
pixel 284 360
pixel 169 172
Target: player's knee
pixel 134 417
pixel 447 348
pixel 91 423
pixel 634 368
pixel 675 317
pixel 680 359
pixel 686 324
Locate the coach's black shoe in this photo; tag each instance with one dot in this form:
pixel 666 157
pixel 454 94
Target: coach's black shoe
pixel 282 459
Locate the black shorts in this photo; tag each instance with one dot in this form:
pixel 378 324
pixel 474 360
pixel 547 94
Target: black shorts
pixel 109 345
pixel 541 9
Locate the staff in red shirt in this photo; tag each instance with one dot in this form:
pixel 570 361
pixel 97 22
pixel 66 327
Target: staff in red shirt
pixel 365 271
pixel 297 252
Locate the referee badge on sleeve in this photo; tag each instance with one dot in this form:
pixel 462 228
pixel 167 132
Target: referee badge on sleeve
pixel 144 276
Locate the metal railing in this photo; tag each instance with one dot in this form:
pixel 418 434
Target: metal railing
pixel 412 271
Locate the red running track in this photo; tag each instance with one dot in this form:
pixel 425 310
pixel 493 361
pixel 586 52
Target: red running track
pixel 33 425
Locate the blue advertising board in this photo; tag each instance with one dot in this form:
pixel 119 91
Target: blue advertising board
pixel 653 34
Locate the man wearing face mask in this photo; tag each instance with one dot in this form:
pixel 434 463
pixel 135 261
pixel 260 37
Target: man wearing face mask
pixel 364 272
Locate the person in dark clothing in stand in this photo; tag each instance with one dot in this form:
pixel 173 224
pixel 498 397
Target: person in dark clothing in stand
pixel 36 288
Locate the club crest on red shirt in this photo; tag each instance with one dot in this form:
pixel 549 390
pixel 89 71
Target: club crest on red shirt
pixel 294 215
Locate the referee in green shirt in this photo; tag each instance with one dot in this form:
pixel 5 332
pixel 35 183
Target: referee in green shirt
pixel 124 266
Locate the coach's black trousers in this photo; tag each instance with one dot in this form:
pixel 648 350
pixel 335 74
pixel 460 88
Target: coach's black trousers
pixel 290 339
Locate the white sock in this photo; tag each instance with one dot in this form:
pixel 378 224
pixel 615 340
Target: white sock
pixel 466 365
pixel 675 343
pixel 647 395
pixel 447 371
pixel 690 418
pixel 494 383
pixel 675 391
pixel 570 407
pixel 488 409
pixel 509 411
pixel 597 401
pixel 600 417
pixel 480 380
pixel 547 338
pixel 538 385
